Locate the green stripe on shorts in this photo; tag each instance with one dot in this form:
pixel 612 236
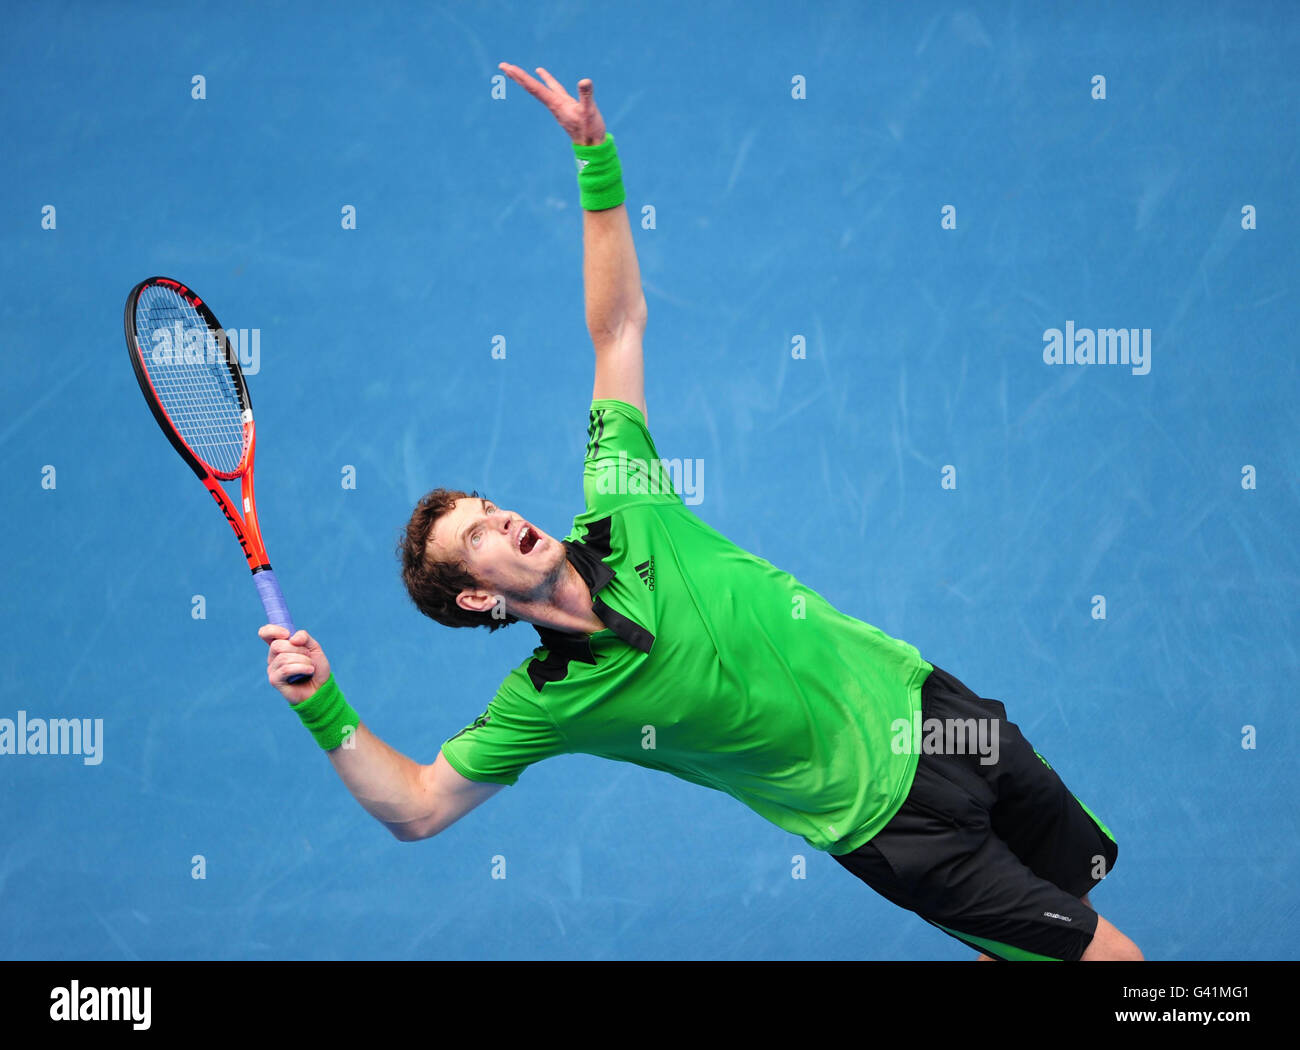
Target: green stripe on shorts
pixel 1002 951
pixel 1095 819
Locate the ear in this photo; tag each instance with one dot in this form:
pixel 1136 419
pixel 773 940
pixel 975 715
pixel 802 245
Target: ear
pixel 476 601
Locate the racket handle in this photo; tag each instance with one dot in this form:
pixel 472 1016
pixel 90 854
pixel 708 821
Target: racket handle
pixel 277 610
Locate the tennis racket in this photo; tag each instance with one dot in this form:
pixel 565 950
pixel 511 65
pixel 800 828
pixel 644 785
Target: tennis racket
pixel 190 376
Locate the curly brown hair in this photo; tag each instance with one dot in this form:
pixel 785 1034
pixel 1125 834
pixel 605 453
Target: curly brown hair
pixel 432 584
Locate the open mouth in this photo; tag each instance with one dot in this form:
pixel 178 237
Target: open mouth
pixel 527 539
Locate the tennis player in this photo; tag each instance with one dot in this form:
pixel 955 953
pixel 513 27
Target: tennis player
pixel 664 644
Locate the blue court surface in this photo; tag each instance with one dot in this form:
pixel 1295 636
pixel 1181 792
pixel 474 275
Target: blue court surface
pixel 858 225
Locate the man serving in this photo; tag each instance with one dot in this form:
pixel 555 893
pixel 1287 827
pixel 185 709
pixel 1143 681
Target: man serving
pixel 664 644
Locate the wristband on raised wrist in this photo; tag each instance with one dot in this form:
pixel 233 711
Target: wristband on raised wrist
pixel 600 177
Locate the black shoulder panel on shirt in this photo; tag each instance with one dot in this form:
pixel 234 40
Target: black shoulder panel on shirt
pixel 588 556
pixel 598 537
pixel 561 650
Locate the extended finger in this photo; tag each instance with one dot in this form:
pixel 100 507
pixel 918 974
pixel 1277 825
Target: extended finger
pixel 551 82
pixel 586 98
pixel 524 80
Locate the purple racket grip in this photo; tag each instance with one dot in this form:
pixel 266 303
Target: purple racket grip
pixel 277 611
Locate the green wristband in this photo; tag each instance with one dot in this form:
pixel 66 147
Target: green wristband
pixel 600 178
pixel 328 715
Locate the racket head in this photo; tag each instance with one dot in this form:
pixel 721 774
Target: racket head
pixel 190 376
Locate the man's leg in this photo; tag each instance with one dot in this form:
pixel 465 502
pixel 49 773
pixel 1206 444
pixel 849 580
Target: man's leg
pixel 1109 945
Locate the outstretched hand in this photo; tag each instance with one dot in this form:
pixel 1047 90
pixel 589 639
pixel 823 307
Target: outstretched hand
pixel 577 116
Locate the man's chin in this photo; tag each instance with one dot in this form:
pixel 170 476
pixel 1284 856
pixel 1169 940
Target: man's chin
pixel 547 559
pixel 554 559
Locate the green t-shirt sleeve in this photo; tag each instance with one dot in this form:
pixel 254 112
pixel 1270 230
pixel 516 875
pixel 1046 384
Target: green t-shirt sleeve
pixel 507 738
pixel 622 466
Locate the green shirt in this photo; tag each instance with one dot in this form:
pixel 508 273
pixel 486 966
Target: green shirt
pixel 714 666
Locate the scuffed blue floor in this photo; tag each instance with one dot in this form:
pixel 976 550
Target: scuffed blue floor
pixel 776 219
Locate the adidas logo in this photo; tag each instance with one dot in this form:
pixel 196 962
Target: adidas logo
pixel 646 570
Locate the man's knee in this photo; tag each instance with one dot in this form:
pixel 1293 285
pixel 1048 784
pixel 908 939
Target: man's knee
pixel 1109 945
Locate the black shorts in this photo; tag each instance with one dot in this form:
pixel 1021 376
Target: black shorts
pixel 989 846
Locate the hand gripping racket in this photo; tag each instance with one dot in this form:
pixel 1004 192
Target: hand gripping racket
pixel 190 376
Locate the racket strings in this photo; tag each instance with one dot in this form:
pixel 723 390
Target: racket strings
pixel 186 362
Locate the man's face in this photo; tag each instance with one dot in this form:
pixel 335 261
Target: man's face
pixel 509 556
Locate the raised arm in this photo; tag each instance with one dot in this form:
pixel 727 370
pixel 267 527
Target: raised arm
pixel 616 306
